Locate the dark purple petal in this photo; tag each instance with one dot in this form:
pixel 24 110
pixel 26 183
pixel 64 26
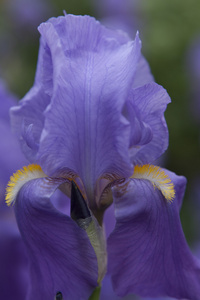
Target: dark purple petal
pixel 107 292
pixel 13 263
pixel 148 253
pixel 109 220
pixel 149 133
pixel 61 256
pixel 84 130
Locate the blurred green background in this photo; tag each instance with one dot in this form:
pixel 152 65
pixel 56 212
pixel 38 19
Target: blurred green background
pixel 167 29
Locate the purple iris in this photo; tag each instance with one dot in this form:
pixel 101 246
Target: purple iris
pixel 13 261
pixel 92 125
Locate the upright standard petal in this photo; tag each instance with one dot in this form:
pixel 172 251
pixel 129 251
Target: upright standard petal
pixel 27 119
pixel 73 114
pixel 84 127
pixel 143 73
pixel 62 259
pixel 145 112
pixel 148 253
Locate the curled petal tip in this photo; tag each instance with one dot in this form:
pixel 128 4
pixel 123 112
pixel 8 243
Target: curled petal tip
pixel 158 178
pixel 137 37
pixel 18 179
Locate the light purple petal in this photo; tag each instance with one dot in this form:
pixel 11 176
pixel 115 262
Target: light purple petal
pixel 71 121
pixel 148 253
pixel 61 256
pixel 13 263
pixel 27 119
pixel 6 101
pixel 149 133
pixel 11 157
pixel 84 130
pixel 143 73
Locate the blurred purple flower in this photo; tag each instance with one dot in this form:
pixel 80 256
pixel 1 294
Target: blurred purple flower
pixel 11 157
pixel 193 66
pixel 13 260
pixel 119 14
pixel 28 14
pixel 94 121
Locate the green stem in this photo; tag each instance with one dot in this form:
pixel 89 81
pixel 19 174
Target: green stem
pixel 96 294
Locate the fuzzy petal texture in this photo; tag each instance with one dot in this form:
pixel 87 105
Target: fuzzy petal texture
pixel 145 112
pixel 61 256
pixel 147 251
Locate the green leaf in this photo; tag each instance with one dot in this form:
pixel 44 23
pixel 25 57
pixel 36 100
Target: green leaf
pixel 96 294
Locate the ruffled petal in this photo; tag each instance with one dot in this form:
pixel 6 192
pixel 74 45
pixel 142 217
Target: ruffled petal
pixel 149 133
pixel 85 132
pixel 61 256
pixel 27 119
pixel 148 253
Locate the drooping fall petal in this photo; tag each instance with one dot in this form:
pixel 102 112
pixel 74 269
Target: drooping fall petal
pixel 148 253
pixel 61 256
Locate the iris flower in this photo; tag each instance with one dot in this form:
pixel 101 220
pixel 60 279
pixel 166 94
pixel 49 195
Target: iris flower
pixel 92 125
